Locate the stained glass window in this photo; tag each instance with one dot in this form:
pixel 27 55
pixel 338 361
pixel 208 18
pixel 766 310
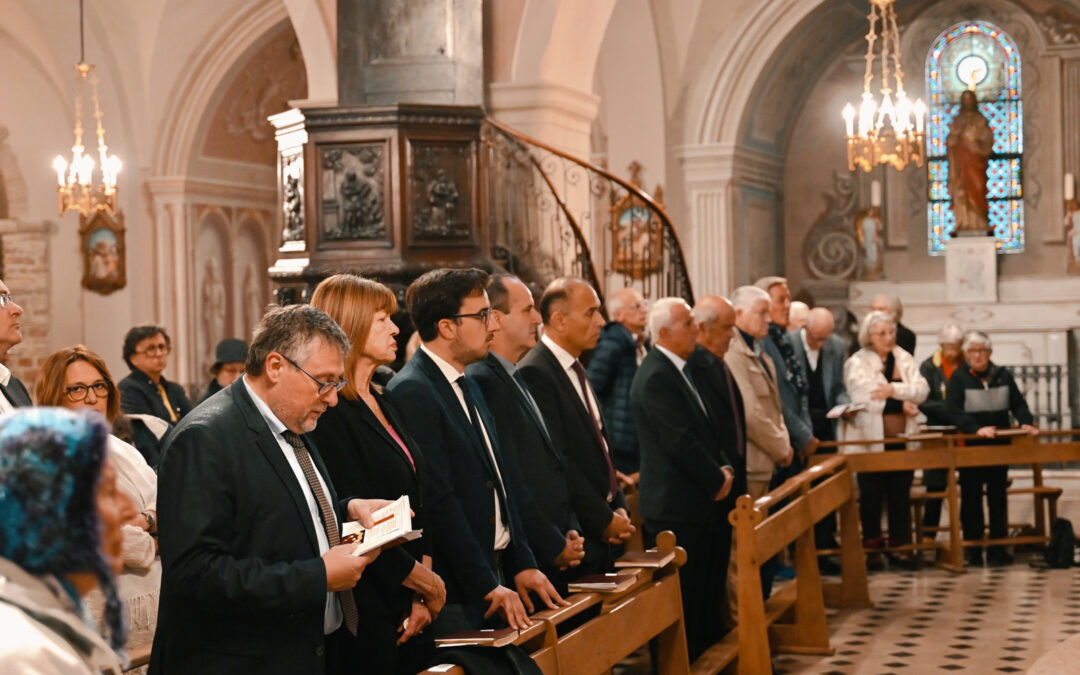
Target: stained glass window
pixel 981 52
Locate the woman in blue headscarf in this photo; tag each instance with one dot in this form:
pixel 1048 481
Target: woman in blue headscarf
pixel 60 537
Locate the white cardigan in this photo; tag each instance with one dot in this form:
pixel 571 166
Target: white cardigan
pixel 863 373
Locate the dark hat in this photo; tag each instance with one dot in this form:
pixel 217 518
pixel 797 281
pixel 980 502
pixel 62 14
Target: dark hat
pixel 230 350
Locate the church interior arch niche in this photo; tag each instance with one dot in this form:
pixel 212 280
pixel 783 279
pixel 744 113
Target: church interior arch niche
pixel 213 275
pixel 250 283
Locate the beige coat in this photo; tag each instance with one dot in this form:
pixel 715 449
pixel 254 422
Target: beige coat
pixel 863 373
pixel 42 634
pixel 766 434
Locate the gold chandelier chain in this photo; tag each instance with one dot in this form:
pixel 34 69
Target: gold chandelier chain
pixel 98 117
pixel 871 38
pixel 894 34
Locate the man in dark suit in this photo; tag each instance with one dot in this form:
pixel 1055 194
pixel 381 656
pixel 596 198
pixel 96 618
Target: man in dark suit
pixel 685 476
pixel 145 391
pixel 612 365
pixel 252 571
pixel 570 310
pixel 539 465
pixel 822 355
pixel 13 393
pixel 479 543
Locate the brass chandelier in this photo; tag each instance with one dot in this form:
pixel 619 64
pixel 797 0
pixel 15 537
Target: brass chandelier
pixel 75 179
pixel 889 133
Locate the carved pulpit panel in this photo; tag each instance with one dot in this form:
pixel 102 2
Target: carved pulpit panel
pixel 352 192
pixel 440 193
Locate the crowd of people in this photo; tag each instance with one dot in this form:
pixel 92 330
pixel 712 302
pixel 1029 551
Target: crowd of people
pixel 213 531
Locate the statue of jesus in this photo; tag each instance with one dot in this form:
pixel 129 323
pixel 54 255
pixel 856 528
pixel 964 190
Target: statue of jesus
pixel 969 143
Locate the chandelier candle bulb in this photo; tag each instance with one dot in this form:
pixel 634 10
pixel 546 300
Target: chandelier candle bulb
pixel 875 193
pixel 1070 187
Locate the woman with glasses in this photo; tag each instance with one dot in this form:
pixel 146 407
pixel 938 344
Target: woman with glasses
pixel 145 391
pixel 369 452
pixel 76 378
pixel 885 379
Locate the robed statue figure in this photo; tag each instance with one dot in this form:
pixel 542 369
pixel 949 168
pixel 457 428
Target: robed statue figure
pixel 970 141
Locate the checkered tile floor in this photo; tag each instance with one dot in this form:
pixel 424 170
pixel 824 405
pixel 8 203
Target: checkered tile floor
pixel 992 620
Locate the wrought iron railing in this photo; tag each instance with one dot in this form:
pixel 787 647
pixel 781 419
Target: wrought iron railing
pixel 548 214
pixel 1046 390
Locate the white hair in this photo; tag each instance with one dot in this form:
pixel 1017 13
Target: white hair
pixel 798 309
pixel 872 319
pixel 950 334
pixel 616 302
pixel 660 316
pixel 977 337
pixel 745 297
pixel 705 315
pixel 895 306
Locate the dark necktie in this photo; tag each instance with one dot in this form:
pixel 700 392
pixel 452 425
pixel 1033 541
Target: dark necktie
pixel 613 484
pixel 330 525
pixel 740 444
pixel 474 418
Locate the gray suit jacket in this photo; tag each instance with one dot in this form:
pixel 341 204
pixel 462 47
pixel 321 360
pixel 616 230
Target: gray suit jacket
pixel 831 361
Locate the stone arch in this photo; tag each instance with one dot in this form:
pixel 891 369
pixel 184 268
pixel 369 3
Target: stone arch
pixel 14 200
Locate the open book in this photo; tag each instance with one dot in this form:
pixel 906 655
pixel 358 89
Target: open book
pixel 844 408
pixel 393 526
pixel 652 559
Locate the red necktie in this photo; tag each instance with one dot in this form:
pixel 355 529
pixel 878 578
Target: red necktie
pixel 613 484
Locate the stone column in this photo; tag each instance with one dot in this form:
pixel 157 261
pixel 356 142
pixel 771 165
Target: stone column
pixel 552 113
pixel 420 51
pixel 173 276
pixel 707 239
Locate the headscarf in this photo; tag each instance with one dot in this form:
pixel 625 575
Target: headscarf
pixel 50 465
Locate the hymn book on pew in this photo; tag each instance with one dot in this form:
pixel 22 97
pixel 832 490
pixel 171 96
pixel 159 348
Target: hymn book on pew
pixel 652 559
pixel 487 637
pixel 393 526
pixel 609 582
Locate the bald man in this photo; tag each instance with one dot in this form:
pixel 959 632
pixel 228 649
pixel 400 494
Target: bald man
pixel 612 366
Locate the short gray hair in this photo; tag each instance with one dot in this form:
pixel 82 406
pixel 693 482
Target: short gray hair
pixel 869 321
pixel 660 316
pixel 616 302
pixel 292 332
pixel 799 307
pixel 895 306
pixel 977 337
pixel 950 334
pixel 745 297
pixel 705 315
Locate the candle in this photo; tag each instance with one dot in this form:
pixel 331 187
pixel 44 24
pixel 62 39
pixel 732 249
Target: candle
pixel 875 193
pixel 1070 187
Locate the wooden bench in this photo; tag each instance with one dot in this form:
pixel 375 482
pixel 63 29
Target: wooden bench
pixel 650 608
pixel 793 619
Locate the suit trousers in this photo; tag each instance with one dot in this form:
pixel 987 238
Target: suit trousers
pixel 893 488
pixel 972 480
pixel 701 579
pixel 935 480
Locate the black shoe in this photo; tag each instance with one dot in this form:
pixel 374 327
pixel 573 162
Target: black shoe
pixel 999 559
pixel 974 557
pixel 828 566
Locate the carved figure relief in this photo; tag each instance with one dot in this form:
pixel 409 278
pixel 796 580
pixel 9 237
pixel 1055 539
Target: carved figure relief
pixel 1060 27
pixel 352 192
pixel 254 302
pixel 440 192
pixel 292 199
pixel 213 306
pixel 831 250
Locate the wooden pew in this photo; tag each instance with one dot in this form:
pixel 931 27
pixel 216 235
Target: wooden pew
pixel 940 452
pixel 650 608
pixel 793 619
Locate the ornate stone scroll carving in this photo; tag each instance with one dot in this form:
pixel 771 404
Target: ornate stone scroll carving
pixel 831 250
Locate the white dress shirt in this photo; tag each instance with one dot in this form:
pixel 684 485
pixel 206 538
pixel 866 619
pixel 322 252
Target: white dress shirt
pixel 332 616
pixel 566 360
pixel 502 533
pixel 5 377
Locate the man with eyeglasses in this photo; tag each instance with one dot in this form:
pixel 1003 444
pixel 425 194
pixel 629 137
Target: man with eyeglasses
pixel 254 575
pixel 145 391
pixel 13 393
pixel 614 362
pixel 479 542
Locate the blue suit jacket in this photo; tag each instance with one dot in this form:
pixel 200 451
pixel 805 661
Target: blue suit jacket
pixel 461 481
pixel 612 365
pixel 795 407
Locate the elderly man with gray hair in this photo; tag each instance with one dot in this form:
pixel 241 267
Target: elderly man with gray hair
pixel 937 369
pixel 685 476
pixel 890 304
pixel 981 395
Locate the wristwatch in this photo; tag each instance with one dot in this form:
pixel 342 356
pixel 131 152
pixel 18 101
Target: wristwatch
pixel 151 522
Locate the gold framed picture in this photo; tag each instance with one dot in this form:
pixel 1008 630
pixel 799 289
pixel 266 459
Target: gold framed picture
pixel 103 252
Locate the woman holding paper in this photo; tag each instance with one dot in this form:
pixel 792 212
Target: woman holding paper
pixel 368 452
pixel 884 378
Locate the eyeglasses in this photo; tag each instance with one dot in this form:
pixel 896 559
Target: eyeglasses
pixel 978 350
pixel 5 299
pixel 156 350
pixel 483 315
pixel 324 387
pixel 78 392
